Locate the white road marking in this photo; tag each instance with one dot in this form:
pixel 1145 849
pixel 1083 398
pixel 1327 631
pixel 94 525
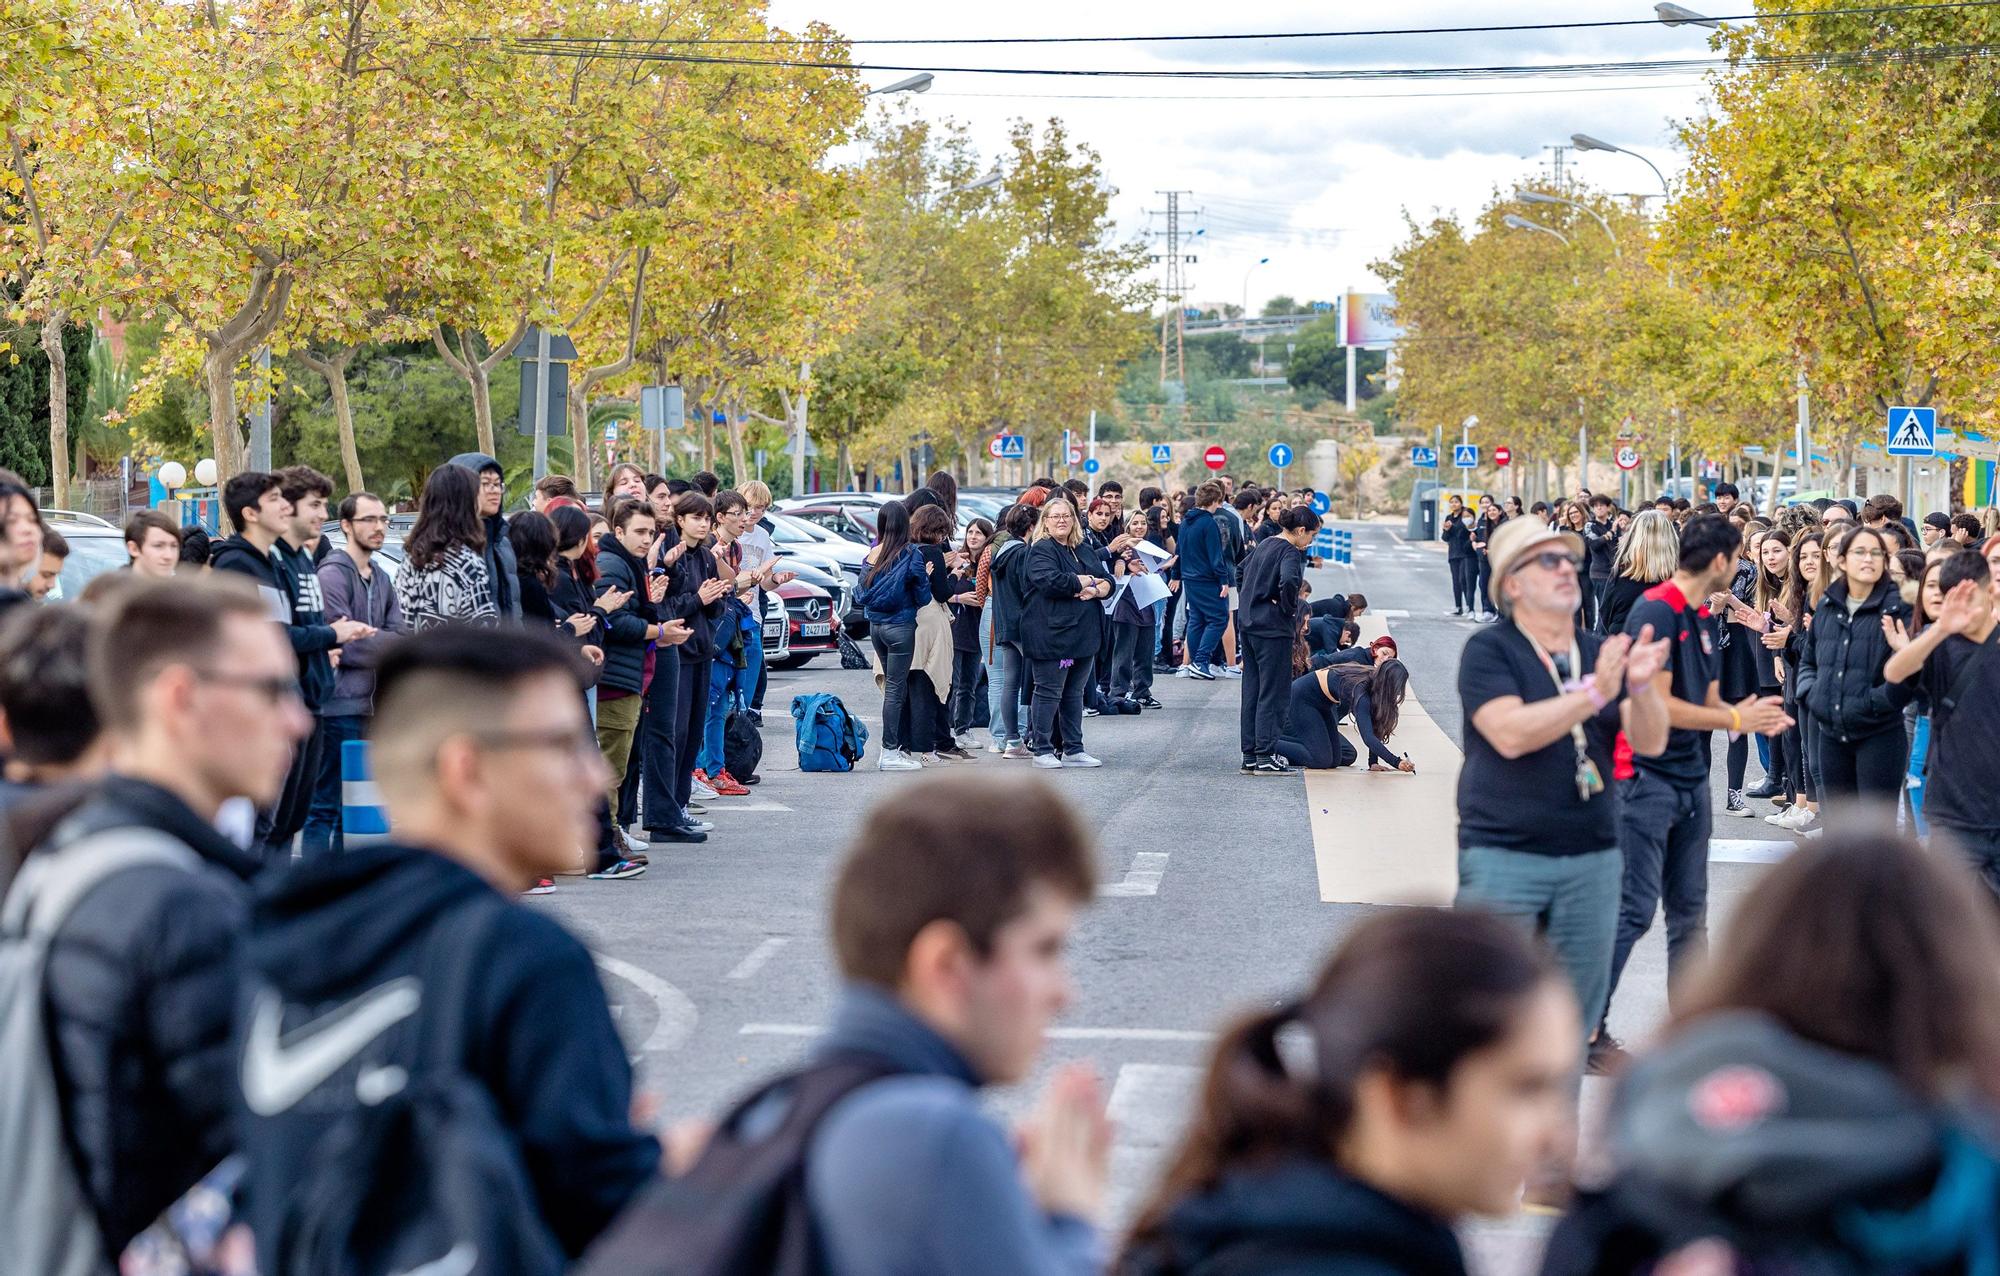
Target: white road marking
pixel 1390 613
pixel 1143 878
pixel 677 1013
pixel 1746 851
pixel 759 955
pixel 741 804
pixel 1054 1034
pixel 1150 1102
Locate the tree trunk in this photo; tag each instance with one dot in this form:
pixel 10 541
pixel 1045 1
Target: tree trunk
pixel 478 373
pixel 249 327
pixel 740 470
pixel 218 370
pixel 482 408
pixel 332 368
pixel 52 333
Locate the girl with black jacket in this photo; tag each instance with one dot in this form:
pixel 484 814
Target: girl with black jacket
pixel 1422 1079
pixel 1061 630
pixel 1793 614
pixel 1490 518
pixel 1862 744
pixel 968 616
pixel 1736 641
pixel 929 732
pixel 695 593
pixel 1372 693
pixel 1007 569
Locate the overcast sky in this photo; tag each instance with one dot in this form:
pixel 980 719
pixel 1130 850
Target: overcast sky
pixel 1314 175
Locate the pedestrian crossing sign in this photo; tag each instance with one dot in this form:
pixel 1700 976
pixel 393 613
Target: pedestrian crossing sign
pixel 1912 432
pixel 1163 454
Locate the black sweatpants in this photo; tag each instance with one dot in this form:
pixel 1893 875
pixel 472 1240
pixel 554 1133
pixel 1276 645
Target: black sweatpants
pixel 1267 680
pixel 690 720
pixel 656 750
pixel 278 826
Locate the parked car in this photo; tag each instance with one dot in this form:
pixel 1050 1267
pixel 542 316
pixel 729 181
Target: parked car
pixel 810 621
pixel 853 520
pixel 391 553
pixel 95 547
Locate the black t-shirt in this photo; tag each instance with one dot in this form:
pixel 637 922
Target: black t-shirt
pixel 1694 665
pixel 1530 803
pixel 1958 787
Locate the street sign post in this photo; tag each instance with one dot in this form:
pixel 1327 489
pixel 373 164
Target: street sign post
pixel 1075 455
pixel 1163 454
pixel 1465 455
pixel 1280 456
pixel 1092 466
pixel 1322 503
pixel 1215 458
pixel 1502 454
pixel 1424 458
pixel 1912 432
pixel 1007 447
pixel 1628 458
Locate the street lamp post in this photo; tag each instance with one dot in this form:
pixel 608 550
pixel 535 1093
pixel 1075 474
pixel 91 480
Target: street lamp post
pixel 1585 142
pixel 1674 15
pixel 1514 221
pixel 919 83
pixel 1537 197
pixel 1261 261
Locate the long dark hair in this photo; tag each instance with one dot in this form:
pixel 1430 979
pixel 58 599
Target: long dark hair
pixel 1412 992
pixel 572 529
pixel 1771 588
pixel 1799 596
pixel 1385 684
pixel 892 537
pixel 447 518
pixel 533 537
pixel 946 486
pixel 1869 944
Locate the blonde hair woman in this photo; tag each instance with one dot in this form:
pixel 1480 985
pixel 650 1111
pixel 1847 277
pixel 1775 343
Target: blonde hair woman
pixel 1062 626
pixel 1647 556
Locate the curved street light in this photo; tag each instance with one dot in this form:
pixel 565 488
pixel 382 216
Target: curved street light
pixel 1261 261
pixel 1517 222
pixel 918 83
pixel 1585 142
pixel 1536 197
pixel 1674 15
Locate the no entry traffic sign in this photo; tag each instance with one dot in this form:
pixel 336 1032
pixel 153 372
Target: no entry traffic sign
pixel 1215 458
pixel 1628 458
pixel 1502 454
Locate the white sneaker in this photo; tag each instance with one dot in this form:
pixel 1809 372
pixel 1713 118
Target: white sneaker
pixel 1807 823
pixel 636 841
pixel 1232 671
pixel 704 792
pixel 1080 759
pixel 966 740
pixel 1183 671
pixel 1048 761
pixel 998 746
pixel 1783 817
pixel 897 760
pixel 933 758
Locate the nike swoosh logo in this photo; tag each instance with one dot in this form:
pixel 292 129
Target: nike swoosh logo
pixel 460 1261
pixel 277 1072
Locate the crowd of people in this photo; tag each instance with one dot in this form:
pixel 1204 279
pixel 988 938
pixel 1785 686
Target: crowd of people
pixel 238 1043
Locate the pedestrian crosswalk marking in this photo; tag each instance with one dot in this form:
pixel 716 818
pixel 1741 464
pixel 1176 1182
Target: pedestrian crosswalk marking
pixel 1748 851
pixel 1143 878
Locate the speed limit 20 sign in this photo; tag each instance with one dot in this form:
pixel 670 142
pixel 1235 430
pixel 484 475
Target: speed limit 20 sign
pixel 1628 458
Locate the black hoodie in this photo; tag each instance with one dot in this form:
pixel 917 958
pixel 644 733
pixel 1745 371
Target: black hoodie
pixel 1295 1218
pixel 537 1033
pixel 293 588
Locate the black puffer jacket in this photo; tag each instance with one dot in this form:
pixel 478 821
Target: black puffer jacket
pixel 1840 663
pixel 1010 589
pixel 1056 624
pixel 141 987
pixel 688 574
pixel 625 635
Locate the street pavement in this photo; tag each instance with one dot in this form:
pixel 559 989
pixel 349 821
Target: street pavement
pixel 1213 898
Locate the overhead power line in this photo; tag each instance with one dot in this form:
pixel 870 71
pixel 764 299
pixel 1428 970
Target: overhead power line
pixel 1482 29
pixel 568 48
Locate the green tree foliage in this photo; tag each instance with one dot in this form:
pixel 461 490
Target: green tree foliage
pixel 24 397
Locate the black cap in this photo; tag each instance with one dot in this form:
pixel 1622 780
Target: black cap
pixel 1940 521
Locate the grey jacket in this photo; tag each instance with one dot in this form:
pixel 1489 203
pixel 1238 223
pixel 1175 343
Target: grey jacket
pixel 373 602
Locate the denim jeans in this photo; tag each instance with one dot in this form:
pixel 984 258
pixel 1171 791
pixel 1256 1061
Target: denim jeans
pixel 1980 847
pixel 322 832
pixel 726 685
pixel 1920 752
pixel 1569 900
pixel 895 646
pixel 1663 831
pixel 1208 616
pixel 1004 688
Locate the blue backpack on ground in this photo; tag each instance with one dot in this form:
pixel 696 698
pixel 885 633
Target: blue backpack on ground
pixel 829 737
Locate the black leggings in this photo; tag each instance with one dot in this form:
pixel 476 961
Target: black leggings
pixel 1312 734
pixel 1871 766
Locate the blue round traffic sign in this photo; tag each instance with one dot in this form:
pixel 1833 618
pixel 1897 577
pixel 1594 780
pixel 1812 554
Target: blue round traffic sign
pixel 1281 456
pixel 1091 466
pixel 1321 503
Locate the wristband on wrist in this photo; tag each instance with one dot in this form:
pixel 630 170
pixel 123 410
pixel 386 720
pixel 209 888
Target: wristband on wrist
pixel 1735 720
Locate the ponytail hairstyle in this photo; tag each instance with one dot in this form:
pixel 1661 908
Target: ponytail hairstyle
pixel 1411 992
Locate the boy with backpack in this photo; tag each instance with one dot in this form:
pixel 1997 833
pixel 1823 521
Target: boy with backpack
pixel 429 1073
pixel 950 917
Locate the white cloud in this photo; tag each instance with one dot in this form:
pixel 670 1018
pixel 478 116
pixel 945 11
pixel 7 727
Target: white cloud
pixel 1319 180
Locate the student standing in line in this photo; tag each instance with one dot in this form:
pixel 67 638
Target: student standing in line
pixel 695 594
pixel 1132 630
pixel 927 711
pixel 892 587
pixel 1803 586
pixel 1862 743
pixel 968 622
pixel 444 575
pixel 1007 568
pixel 1206 576
pixel 1270 616
pixel 1059 634
pixel 1420 1081
pixel 1646 556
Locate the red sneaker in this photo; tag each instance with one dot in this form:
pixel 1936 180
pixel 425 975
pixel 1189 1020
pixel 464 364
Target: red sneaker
pixel 727 785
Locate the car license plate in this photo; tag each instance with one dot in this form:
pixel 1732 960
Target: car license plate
pixel 773 631
pixel 816 629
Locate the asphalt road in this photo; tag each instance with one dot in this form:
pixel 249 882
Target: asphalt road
pixel 717 956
